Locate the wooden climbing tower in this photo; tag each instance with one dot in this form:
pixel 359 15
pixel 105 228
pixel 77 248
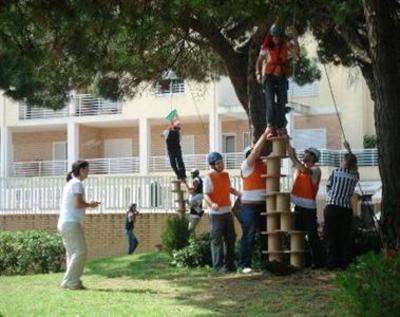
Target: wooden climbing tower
pixel 280 220
pixel 180 202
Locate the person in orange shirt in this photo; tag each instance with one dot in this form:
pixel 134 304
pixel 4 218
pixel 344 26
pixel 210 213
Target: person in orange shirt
pixel 306 179
pixel 217 190
pixel 253 202
pixel 272 70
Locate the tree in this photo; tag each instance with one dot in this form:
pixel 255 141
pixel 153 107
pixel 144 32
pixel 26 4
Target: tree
pixel 48 48
pixel 364 33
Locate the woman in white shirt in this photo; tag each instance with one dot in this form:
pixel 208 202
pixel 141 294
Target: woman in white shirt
pixel 73 207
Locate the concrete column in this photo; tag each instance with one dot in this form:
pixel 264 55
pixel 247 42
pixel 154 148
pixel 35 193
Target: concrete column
pixel 72 143
pixel 5 151
pixel 215 132
pixel 72 104
pixel 144 145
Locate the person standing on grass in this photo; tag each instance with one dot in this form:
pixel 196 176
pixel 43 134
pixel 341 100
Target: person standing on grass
pixel 217 191
pixel 253 202
pixel 306 179
pixel 129 225
pixel 338 214
pixel 73 205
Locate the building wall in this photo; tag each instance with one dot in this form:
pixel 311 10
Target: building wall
pixel 104 233
pixel 36 146
pixel 198 130
pixel 237 128
pixel 326 121
pixel 121 133
pixel 91 145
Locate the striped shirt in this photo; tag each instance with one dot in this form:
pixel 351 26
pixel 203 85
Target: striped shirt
pixel 340 187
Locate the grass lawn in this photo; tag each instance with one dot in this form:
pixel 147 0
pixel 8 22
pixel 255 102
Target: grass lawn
pixel 145 285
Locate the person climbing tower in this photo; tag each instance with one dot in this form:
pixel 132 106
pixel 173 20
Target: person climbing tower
pixel 173 141
pixel 272 69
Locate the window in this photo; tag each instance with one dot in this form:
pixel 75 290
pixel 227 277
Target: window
pixel 59 151
pixel 187 144
pixel 305 138
pixel 246 140
pixel 118 148
pixel 228 143
pixel 168 87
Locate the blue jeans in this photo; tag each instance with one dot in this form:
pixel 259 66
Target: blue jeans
pixel 132 241
pixel 252 222
pixel 276 86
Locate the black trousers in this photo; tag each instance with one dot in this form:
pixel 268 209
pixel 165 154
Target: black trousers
pixel 337 232
pixel 176 161
pixel 306 220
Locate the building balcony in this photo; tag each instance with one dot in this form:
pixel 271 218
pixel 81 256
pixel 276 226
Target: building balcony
pixel 39 168
pixel 88 105
pixel 115 165
pixel 31 113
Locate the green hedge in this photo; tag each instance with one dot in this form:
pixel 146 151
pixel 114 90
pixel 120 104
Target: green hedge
pixel 196 254
pixel 370 287
pixel 27 252
pixel 176 234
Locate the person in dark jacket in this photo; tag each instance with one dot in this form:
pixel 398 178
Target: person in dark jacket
pixel 130 220
pixel 173 142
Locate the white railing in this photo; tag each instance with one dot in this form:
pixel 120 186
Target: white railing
pixel 28 113
pixel 88 105
pixel 174 87
pixel 43 194
pixel 365 157
pixel 39 168
pixel 117 165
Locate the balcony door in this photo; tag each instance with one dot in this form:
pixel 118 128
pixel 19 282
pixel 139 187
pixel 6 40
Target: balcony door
pixel 59 151
pixel 118 148
pixel 229 146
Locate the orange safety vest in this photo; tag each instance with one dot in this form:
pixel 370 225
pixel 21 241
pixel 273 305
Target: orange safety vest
pixel 254 181
pixel 304 191
pixel 221 188
pixel 277 56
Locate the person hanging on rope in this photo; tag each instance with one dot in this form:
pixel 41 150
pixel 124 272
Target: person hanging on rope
pixel 272 69
pixel 217 191
pixel 173 141
pixel 253 203
pixel 196 199
pixel 306 179
pixel 338 213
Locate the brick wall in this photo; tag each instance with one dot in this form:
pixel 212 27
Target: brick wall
pixel 105 232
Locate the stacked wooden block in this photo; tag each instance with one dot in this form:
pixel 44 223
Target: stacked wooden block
pixel 180 197
pixel 280 220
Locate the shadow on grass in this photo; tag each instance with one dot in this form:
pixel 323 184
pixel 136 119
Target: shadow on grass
pixel 125 290
pixel 225 294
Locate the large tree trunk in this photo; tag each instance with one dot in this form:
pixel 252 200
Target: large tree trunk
pixel 383 26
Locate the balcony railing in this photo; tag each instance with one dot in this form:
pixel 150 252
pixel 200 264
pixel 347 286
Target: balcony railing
pixel 88 105
pixel 29 113
pixel 118 165
pixel 365 157
pixel 39 168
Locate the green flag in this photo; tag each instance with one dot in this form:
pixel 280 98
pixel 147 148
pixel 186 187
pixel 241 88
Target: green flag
pixel 172 116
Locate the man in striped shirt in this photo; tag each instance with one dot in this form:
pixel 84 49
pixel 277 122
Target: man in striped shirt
pixel 338 214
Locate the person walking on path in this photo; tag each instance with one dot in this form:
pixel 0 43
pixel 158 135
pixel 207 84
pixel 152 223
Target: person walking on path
pixel 130 220
pixel 73 205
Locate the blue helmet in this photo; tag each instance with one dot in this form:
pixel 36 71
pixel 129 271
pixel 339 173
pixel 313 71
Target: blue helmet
pixel 213 157
pixel 277 31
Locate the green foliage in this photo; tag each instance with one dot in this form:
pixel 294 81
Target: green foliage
pixel 305 69
pixel 176 234
pixel 26 252
pixel 370 287
pixel 196 254
pixel 369 141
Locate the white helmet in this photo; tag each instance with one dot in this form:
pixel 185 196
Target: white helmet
pixel 314 152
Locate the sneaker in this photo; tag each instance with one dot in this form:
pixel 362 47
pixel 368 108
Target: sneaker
pixel 247 270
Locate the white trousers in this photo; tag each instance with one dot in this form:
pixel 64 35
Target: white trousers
pixel 75 244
